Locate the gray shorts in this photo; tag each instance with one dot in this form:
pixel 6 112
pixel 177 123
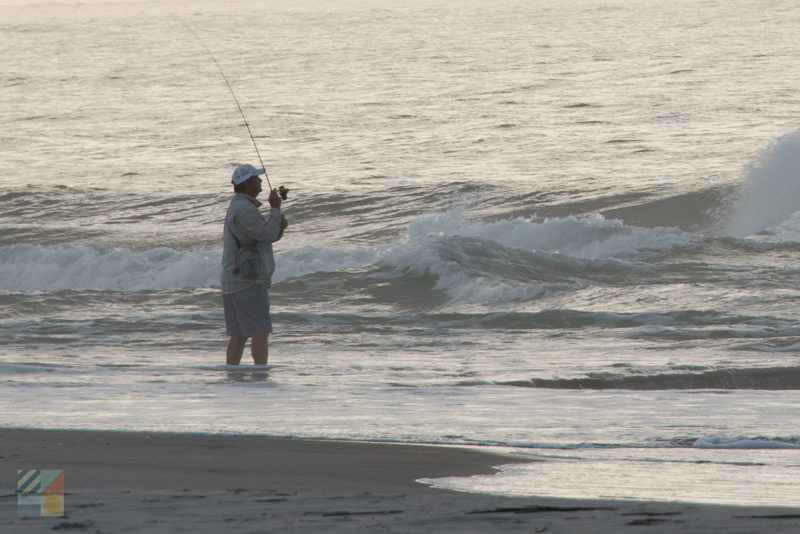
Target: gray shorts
pixel 247 312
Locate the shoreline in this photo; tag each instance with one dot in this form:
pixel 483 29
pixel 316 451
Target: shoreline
pixel 120 459
pixel 161 482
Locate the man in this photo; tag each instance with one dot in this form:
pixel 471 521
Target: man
pixel 244 290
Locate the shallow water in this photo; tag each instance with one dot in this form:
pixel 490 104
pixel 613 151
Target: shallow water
pixel 533 226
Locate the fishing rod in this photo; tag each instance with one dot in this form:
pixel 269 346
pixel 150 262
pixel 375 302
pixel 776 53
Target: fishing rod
pixel 282 191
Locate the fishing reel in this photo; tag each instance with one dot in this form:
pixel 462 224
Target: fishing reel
pixel 283 192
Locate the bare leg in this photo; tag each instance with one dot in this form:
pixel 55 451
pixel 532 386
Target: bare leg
pixel 235 350
pixel 259 346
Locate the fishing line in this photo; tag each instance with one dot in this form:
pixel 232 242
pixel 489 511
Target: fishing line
pixel 246 123
pixel 282 191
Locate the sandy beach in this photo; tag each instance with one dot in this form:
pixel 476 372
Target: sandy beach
pixel 151 482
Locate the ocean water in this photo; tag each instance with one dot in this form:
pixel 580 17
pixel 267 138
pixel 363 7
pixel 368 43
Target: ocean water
pixel 563 230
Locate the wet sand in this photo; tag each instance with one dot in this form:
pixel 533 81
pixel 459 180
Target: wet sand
pixel 152 482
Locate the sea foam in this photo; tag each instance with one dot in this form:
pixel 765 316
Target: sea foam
pixel 582 237
pixel 521 259
pixel 472 260
pixel 92 267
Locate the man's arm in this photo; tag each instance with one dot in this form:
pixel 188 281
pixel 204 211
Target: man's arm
pixel 255 226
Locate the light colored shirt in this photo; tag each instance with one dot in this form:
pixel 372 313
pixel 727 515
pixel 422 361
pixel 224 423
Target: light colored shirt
pixel 246 223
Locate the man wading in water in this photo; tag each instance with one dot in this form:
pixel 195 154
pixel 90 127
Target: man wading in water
pixel 248 264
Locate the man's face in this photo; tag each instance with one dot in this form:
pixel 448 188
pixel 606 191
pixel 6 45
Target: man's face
pixel 253 186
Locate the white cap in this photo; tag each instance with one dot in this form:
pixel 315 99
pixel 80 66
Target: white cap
pixel 245 172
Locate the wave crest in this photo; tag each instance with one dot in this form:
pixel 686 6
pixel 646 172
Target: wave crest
pixel 472 261
pixel 92 267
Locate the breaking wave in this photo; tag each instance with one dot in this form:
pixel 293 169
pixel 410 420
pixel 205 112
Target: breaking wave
pixel 472 261
pixel 771 194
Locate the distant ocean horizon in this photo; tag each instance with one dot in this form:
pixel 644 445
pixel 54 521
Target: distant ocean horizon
pixel 570 232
